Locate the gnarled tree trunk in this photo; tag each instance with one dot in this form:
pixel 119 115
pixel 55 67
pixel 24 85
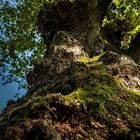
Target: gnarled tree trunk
pixel 70 99
pixel 82 19
pixel 70 30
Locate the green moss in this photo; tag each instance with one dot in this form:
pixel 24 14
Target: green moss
pixel 127 116
pixel 93 86
pixel 88 91
pixel 32 107
pixel 101 85
pixel 122 132
pixel 91 61
pixel 89 70
pixel 99 111
pixel 134 92
pixel 98 88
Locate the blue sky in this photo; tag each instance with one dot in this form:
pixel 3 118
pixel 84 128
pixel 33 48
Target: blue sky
pixel 7 92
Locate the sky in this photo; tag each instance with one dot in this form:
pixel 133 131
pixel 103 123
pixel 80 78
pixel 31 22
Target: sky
pixel 7 92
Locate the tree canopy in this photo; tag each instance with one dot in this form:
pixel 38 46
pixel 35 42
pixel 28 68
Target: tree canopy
pixel 21 43
pixel 123 17
pixel 20 40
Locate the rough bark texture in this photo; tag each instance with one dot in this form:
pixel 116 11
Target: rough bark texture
pixel 60 63
pixel 81 100
pixel 72 96
pixel 82 19
pixel 73 28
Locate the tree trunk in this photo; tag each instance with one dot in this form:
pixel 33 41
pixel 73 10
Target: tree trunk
pixel 134 50
pixel 71 96
pixel 70 30
pixel 82 19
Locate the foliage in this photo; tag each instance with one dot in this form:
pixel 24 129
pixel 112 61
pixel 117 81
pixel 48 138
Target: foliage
pixel 20 40
pixel 124 19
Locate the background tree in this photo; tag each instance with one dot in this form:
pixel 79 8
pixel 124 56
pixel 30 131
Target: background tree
pixel 122 23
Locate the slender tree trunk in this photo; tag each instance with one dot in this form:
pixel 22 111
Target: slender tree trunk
pixel 82 19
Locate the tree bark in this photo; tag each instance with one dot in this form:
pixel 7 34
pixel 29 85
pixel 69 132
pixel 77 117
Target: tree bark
pixel 82 19
pixel 70 31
